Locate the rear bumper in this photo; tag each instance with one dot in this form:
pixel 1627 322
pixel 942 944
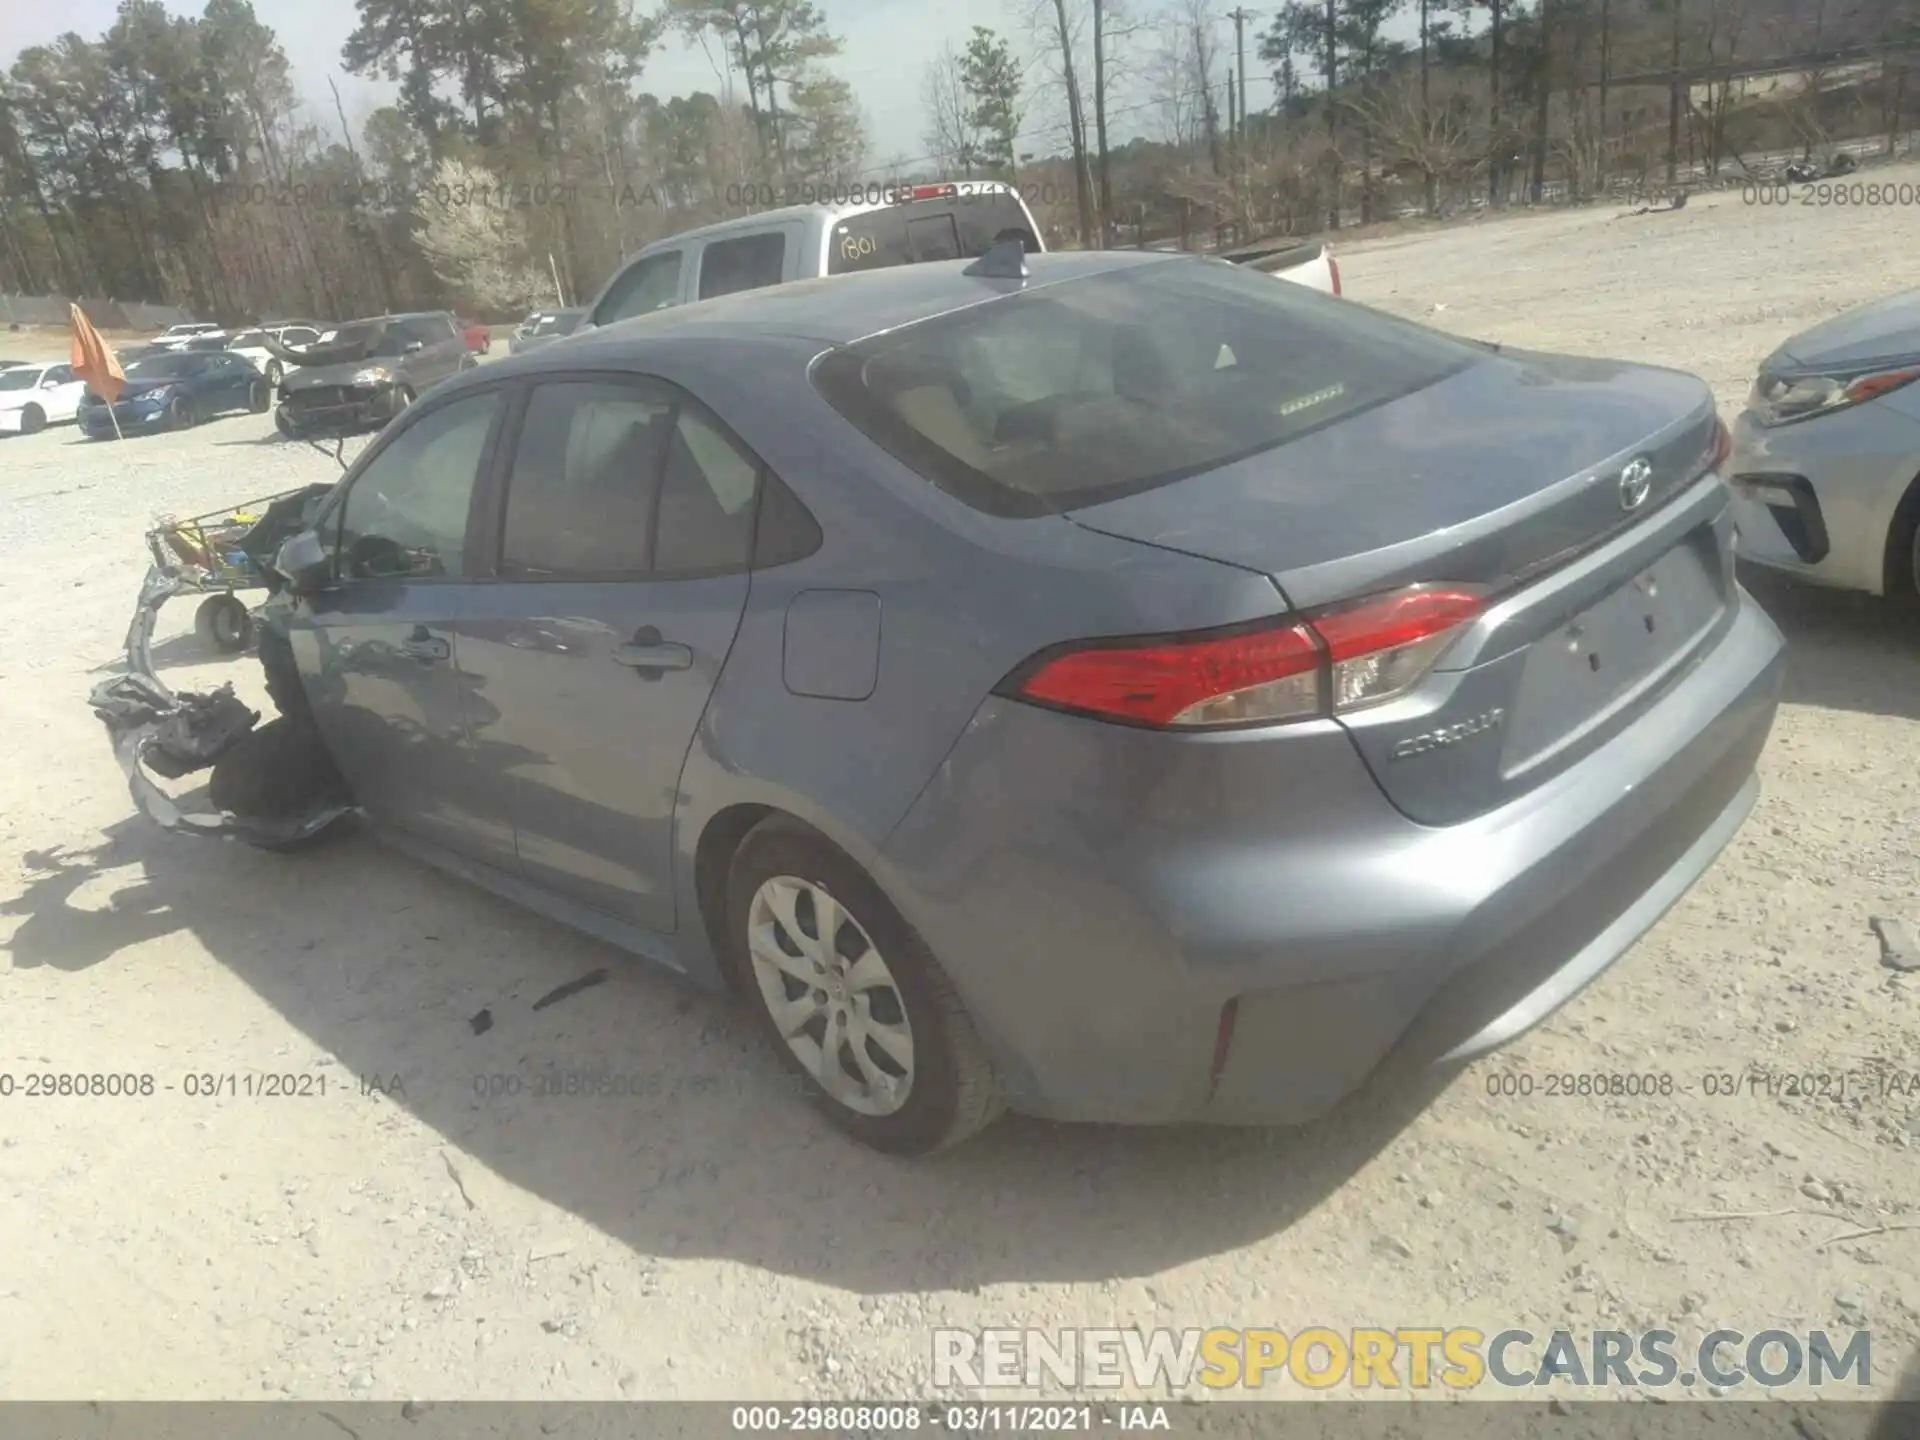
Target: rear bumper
pixel 1099 895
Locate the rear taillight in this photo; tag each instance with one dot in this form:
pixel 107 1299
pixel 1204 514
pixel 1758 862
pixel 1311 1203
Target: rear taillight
pixel 907 193
pixel 1333 268
pixel 1328 663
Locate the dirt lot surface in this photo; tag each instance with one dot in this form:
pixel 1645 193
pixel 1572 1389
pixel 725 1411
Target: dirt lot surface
pixel 710 1238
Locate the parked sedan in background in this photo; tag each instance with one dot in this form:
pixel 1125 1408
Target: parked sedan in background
pixel 175 391
pixel 543 329
pixel 1826 461
pixel 37 394
pixel 175 336
pixel 1111 686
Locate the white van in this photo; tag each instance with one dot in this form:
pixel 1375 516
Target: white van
pixel 882 226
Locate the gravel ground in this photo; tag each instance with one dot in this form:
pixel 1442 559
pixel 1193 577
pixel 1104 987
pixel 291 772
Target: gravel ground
pixel 401 1235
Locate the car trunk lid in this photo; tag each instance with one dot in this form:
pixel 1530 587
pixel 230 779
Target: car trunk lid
pixel 1514 477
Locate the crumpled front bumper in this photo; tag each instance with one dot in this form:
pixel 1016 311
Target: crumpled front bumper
pixel 152 727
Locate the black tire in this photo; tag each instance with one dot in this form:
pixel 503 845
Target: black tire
pixel 954 1093
pixel 180 414
pixel 259 397
pixel 32 420
pixel 223 623
pixel 275 773
pixel 288 430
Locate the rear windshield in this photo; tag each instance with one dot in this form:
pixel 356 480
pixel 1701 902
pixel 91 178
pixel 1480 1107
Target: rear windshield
pixel 175 363
pixel 1088 390
pixel 941 229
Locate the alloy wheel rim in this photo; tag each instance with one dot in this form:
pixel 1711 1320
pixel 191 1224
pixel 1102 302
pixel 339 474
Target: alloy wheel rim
pixel 830 995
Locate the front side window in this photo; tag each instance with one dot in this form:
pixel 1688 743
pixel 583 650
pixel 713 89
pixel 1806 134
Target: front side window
pixel 647 285
pixel 750 262
pixel 405 516
pixel 1085 391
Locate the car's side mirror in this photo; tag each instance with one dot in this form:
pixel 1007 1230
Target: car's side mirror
pixel 303 560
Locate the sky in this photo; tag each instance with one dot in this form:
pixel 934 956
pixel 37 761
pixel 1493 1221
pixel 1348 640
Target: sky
pixel 888 44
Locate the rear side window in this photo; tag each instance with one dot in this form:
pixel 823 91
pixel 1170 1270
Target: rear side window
pixel 964 226
pixel 584 482
pixel 649 284
pixel 1085 391
pixel 617 479
pixel 750 262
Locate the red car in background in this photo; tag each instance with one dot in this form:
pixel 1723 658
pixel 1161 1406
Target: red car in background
pixel 477 336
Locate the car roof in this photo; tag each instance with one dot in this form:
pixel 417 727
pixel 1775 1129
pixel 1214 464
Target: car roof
pixel 830 211
pixel 840 309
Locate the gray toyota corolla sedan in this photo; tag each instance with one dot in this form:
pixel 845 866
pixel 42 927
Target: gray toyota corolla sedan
pixel 1118 687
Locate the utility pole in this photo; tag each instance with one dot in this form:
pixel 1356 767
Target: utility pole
pixel 1240 15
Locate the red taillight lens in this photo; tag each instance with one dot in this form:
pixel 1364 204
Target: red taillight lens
pixel 929 192
pixel 1333 266
pixel 1336 661
pixel 1265 674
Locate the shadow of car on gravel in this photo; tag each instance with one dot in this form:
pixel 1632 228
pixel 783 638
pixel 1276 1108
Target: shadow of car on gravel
pixel 708 1153
pixel 1845 651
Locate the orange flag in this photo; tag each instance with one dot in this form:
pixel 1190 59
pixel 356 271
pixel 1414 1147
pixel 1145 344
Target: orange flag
pixel 94 360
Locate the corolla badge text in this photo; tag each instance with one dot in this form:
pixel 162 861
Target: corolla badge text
pixel 1448 735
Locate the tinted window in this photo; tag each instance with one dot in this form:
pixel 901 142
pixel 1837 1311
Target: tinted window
pixel 60 375
pixel 939 229
pixel 1084 391
pixel 298 335
pixel 706 499
pixel 406 515
pixel 246 339
pixel 585 480
pixel 646 285
pixel 24 379
pixel 748 263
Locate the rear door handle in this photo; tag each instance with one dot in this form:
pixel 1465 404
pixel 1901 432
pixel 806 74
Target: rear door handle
pixel 648 651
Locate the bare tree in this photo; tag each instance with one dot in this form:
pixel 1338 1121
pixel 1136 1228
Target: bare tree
pixel 1056 27
pixel 1437 138
pixel 952 139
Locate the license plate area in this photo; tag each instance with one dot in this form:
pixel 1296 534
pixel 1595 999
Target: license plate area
pixel 1613 656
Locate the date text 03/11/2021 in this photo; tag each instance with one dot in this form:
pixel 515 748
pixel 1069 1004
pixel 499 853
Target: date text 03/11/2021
pixel 956 1419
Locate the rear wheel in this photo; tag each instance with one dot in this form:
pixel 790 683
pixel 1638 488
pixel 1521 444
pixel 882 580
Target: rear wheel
pixel 850 997
pixel 222 622
pixel 259 396
pixel 284 425
pixel 32 420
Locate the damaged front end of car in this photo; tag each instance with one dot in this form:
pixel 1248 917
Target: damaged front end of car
pixel 271 785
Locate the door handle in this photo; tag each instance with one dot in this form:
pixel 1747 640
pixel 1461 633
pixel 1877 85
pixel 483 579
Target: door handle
pixel 647 651
pixel 425 647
